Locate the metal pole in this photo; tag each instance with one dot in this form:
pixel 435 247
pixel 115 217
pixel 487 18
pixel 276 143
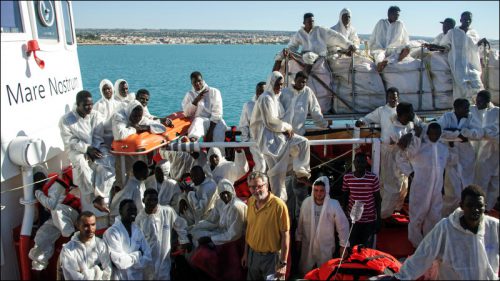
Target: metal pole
pixel 376 156
pixel 421 78
pixel 355 135
pixel 122 165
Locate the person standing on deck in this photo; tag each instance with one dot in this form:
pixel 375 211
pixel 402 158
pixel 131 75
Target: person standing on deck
pixel 395 185
pixel 315 41
pixel 129 251
pixel 298 102
pixel 382 116
pixel 204 105
pixel 82 133
pixel 121 94
pixel 268 232
pixel 157 223
pixel 244 127
pixel 486 168
pixel 320 217
pixel 459 124
pixel 436 45
pixel 85 257
pixel 344 27
pixel 388 37
pixel 463 57
pixel 465 244
pixel 428 157
pixel 276 140
pixel 364 186
pixel 135 187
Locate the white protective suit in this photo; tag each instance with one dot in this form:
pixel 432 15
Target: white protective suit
pixel 123 101
pixel 168 190
pixel 85 261
pixel 317 40
pixel 395 182
pixel 460 175
pixel 486 169
pixel 227 222
pixel 121 129
pixel 318 241
pixel 209 109
pixel 202 200
pixel 349 32
pixel 297 105
pixel 230 170
pixel 78 134
pixel 438 39
pixel 267 127
pixel 428 160
pixel 461 254
pixel 61 222
pixel 181 162
pixel 107 108
pixel 387 38
pixel 133 189
pixel 244 127
pixel 129 254
pixel 464 61
pixel 157 229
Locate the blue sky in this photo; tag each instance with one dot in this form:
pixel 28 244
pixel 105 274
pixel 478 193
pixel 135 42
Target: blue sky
pixel 420 17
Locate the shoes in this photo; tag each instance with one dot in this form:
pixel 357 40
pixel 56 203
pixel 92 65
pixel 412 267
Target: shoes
pixel 38 266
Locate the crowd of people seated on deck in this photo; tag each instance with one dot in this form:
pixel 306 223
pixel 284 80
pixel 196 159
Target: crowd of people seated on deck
pixel 138 207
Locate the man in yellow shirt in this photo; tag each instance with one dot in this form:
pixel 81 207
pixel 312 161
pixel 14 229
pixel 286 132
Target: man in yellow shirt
pixel 268 232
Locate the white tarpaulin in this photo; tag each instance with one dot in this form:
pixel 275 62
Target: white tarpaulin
pixel 493 76
pixel 369 92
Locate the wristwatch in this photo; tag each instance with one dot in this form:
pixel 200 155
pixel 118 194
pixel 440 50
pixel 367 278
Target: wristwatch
pixel 282 263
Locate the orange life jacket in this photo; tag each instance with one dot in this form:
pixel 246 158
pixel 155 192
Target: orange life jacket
pixel 66 180
pixel 361 264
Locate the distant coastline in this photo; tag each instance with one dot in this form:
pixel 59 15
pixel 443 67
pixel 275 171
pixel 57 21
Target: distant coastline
pixel 101 37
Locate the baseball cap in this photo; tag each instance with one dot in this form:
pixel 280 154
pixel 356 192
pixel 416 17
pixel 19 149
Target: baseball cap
pixel 449 21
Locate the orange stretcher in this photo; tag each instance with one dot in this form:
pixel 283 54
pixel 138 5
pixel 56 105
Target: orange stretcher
pixel 146 142
pixel 180 127
pixel 138 144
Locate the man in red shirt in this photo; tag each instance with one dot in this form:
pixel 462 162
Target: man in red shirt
pixel 364 186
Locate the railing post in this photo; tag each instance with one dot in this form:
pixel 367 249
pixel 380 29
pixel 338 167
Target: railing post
pixel 376 156
pixel 356 134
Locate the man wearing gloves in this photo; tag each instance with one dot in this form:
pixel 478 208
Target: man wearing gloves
pixel 61 221
pixel 227 220
pixel 244 127
pixel 465 244
pixel 276 140
pixel 204 105
pixel 459 124
pixel 320 217
pixel 129 250
pixel 85 257
pixel 156 223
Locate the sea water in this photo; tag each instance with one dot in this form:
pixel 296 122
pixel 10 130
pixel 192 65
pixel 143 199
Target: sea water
pixel 164 71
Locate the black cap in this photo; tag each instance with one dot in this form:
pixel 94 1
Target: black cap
pixel 449 21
